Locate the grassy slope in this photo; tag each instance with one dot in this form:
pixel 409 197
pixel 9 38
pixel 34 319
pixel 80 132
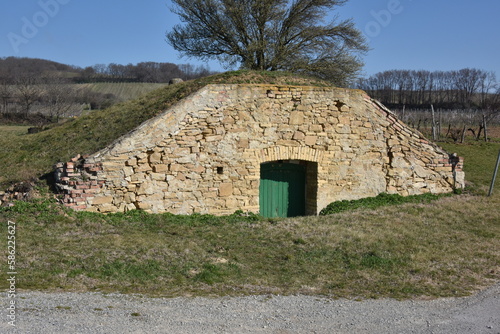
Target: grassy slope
pixel 124 91
pixel 28 156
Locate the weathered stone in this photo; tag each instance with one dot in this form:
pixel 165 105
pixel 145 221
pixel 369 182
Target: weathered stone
pixel 160 168
pixel 226 189
pixel 296 118
pixel 155 158
pixel 311 140
pixel 210 148
pixel 128 171
pixel 178 168
pixel 316 128
pixel 243 143
pixel 299 135
pixel 102 200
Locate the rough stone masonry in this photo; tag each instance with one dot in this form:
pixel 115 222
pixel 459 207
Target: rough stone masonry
pixel 204 154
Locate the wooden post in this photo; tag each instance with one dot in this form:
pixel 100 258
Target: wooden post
pixel 439 123
pixel 463 135
pixel 484 127
pixel 494 175
pixel 433 123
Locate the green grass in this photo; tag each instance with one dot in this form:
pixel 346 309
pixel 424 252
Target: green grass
pixel 480 159
pixel 449 247
pixel 382 199
pixel 123 91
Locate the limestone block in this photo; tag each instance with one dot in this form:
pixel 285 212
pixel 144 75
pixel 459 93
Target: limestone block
pixel 296 118
pixel 181 151
pixel 343 129
pixel 102 200
pixel 129 198
pixel 459 179
pixel 287 143
pixel 146 188
pixel 226 189
pixel 344 120
pixel 232 203
pixel 270 133
pixel 197 169
pixel 155 158
pixel 213 138
pixel 128 171
pixel 160 168
pixel 186 159
pixel 421 171
pixel 107 208
pixel 287 135
pixel 316 128
pixel 143 205
pixel 142 168
pixel 178 168
pixel 299 135
pixel 131 162
pixel 158 176
pixel 311 140
pixel 243 143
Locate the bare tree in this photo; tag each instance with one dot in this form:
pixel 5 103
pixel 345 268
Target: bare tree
pixel 28 91
pixel 60 98
pixel 6 94
pixel 270 35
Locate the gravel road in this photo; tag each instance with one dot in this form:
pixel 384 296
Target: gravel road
pixel 53 313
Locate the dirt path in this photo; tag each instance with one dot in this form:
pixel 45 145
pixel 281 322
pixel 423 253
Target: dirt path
pixel 96 313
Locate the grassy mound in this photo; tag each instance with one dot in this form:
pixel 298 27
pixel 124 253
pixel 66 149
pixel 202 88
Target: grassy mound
pixel 25 156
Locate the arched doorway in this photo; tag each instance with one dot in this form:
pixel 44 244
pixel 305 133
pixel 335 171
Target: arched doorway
pixel 282 190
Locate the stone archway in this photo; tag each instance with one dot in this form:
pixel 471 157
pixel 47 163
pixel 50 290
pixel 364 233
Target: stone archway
pixel 305 156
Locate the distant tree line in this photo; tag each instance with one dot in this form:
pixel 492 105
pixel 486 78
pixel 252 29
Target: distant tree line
pixel 150 72
pixel 12 68
pixel 467 88
pixel 452 104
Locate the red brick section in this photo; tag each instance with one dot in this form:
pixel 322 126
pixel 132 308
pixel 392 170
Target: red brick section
pixel 78 182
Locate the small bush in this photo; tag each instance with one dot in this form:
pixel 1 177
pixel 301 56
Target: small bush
pixel 382 199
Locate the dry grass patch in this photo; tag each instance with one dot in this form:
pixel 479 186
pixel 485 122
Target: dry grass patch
pixel 447 248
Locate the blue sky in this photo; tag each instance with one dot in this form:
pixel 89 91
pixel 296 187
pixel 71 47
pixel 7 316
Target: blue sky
pixel 403 34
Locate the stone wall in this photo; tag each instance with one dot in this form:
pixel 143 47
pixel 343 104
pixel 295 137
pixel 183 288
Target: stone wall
pixel 204 153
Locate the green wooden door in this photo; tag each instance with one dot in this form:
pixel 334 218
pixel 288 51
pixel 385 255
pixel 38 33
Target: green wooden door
pixel 282 190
